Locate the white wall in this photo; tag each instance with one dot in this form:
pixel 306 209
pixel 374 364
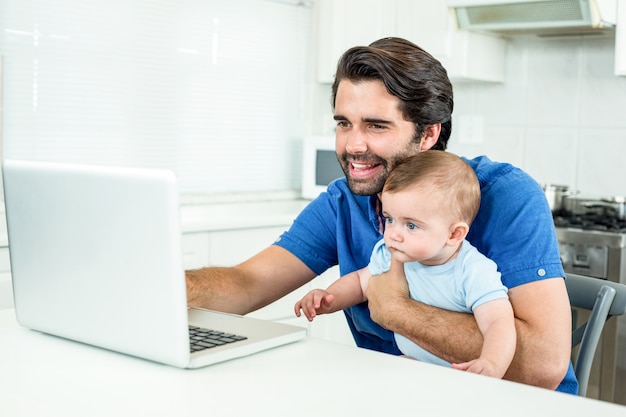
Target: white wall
pixel 560 114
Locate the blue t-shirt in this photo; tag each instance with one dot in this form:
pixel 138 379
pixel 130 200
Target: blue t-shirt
pixel 514 228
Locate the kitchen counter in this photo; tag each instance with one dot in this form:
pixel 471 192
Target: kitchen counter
pixel 244 215
pixel 211 213
pixel 44 375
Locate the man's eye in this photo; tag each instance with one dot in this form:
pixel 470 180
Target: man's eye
pixel 342 124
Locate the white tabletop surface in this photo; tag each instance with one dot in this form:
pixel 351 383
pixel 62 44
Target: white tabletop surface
pixel 42 375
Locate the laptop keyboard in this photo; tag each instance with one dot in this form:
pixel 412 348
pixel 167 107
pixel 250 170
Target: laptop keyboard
pixel 200 339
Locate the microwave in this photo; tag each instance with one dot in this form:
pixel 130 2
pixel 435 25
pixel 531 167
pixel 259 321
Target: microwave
pixel 319 165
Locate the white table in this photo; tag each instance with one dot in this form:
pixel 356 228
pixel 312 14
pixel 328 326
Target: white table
pixel 41 375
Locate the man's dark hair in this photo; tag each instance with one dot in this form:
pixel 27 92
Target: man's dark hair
pixel 409 73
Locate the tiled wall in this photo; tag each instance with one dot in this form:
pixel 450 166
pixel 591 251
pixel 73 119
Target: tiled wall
pixel 560 114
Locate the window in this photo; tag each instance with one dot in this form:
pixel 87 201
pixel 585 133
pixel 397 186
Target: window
pixel 211 89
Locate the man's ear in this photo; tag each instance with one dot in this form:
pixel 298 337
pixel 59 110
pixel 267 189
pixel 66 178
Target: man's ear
pixel 431 136
pixel 458 231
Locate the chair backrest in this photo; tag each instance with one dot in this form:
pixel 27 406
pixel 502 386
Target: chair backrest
pixel 603 299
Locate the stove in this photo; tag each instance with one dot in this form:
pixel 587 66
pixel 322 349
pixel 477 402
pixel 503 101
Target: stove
pixel 594 244
pixel 591 221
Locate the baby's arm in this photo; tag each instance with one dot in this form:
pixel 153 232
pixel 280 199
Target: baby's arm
pixel 345 292
pixel 496 322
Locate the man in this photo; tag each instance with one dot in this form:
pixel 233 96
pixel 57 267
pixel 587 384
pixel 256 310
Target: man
pixel 392 100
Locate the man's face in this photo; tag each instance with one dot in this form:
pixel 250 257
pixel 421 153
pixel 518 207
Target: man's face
pixel 372 137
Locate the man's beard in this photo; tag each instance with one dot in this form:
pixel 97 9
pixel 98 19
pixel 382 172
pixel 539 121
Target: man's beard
pixel 373 185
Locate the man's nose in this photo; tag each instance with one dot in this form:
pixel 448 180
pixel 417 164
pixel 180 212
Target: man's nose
pixel 356 143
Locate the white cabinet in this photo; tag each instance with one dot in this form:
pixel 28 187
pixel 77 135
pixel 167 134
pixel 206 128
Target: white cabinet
pixel 230 247
pixel 195 247
pixel 425 23
pixel 465 55
pixel 430 24
pixel 342 24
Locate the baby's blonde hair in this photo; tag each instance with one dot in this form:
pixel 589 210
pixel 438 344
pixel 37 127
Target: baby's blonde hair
pixel 442 175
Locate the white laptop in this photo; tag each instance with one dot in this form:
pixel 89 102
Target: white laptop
pixel 96 257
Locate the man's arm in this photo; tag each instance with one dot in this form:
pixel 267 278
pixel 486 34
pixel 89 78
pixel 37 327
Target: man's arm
pixel 255 283
pixel 497 324
pixel 542 321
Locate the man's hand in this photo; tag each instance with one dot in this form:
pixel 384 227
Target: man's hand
pixel 453 336
pixel 387 293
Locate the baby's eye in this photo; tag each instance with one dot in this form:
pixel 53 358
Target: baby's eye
pixel 411 226
pixel 388 220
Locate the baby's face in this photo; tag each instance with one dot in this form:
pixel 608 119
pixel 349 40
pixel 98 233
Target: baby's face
pixel 417 228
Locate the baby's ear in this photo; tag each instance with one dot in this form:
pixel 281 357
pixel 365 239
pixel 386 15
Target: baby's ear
pixel 458 231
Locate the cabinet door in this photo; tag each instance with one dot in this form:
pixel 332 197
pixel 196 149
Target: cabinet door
pixel 195 248
pixel 231 247
pixel 342 24
pixel 426 23
pixel 465 55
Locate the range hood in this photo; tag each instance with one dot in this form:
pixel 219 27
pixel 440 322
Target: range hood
pixel 542 17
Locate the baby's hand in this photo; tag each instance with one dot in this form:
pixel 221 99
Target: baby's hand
pixel 314 303
pixel 480 366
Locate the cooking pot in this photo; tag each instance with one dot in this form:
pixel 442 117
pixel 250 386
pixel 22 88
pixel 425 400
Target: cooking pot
pixel 615 205
pixel 579 205
pixel 556 194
